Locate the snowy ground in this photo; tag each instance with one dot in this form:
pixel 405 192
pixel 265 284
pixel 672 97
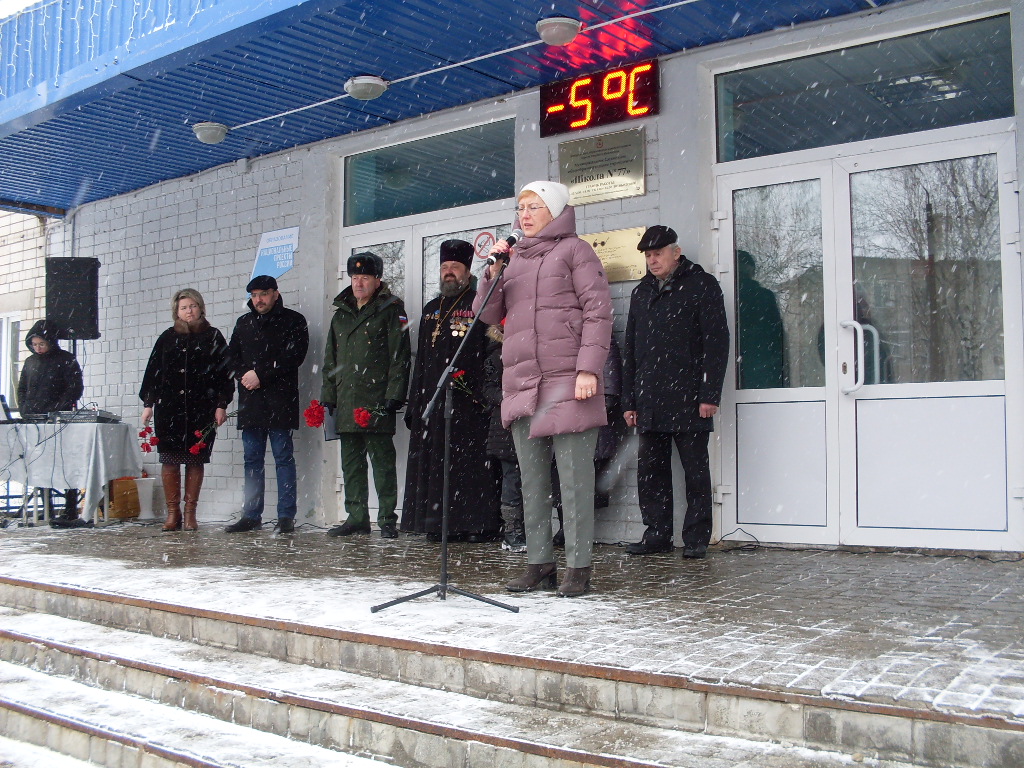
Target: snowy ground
pixel 940 632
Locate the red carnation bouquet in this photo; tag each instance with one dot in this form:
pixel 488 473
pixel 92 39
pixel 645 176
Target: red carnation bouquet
pixel 364 416
pixel 458 383
pixel 315 414
pixel 203 434
pixel 149 439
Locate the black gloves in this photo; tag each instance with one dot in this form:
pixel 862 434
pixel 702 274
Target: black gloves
pixel 329 407
pixel 394 406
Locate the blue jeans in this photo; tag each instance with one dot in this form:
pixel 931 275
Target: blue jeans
pixel 254 443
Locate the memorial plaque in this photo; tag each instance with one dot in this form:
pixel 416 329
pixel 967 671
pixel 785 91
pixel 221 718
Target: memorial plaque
pixel 606 167
pixel 618 253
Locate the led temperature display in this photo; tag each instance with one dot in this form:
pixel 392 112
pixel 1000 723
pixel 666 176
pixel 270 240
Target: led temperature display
pixel 626 93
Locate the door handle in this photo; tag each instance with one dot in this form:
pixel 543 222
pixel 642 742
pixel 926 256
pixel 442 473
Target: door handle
pixel 858 331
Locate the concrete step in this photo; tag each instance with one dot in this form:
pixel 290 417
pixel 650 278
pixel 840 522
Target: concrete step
pixel 123 731
pixel 18 754
pixel 919 735
pixel 403 724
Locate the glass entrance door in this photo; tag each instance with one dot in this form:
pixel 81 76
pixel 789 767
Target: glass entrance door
pixel 873 345
pixel 412 270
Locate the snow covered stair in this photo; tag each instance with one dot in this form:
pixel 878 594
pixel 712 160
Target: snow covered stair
pixel 411 704
pixel 113 729
pixel 402 724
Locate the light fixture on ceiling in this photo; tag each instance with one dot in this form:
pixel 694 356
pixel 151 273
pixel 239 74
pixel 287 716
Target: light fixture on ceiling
pixel 365 87
pixel 558 30
pixel 210 133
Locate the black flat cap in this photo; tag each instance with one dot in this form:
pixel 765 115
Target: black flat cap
pixel 366 263
pixel 261 283
pixel 457 250
pixel 657 237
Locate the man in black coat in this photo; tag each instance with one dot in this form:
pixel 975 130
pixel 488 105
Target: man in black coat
pixel 266 349
pixel 676 351
pixel 50 381
pixel 474 499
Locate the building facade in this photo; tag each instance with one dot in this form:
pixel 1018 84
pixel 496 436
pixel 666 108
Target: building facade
pixel 852 183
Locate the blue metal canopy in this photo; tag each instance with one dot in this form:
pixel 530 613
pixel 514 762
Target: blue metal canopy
pixel 97 97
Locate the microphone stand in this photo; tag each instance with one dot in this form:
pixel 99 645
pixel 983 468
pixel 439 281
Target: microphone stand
pixel 442 588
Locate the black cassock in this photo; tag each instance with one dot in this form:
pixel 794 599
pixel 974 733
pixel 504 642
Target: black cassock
pixel 474 482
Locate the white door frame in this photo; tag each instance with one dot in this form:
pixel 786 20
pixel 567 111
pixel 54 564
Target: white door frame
pixel 412 231
pixel 833 168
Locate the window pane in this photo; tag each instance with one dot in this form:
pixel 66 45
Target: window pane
pixel 393 255
pixel 482 239
pixel 949 76
pixel 927 272
pixel 474 165
pixel 779 297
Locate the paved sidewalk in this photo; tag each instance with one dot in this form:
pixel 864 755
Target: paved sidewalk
pixel 941 632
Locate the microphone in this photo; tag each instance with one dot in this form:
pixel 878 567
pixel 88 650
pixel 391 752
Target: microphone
pixel 514 237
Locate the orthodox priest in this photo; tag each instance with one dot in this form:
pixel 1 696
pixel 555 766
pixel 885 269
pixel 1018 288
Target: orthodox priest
pixel 474 484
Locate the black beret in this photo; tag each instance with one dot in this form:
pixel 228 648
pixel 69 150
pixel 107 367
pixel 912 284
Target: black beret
pixel 366 263
pixel 657 237
pixel 261 283
pixel 457 250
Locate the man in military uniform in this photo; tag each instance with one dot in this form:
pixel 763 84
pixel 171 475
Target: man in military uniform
pixel 365 376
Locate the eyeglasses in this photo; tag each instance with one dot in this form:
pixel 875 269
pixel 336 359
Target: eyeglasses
pixel 530 208
pixel 261 294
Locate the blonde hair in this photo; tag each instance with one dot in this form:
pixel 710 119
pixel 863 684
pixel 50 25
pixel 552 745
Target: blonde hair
pixel 188 293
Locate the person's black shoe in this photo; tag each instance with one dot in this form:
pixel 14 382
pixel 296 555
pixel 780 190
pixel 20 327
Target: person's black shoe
pixel 698 552
pixel 69 522
pixel 285 525
pixel 349 528
pixel 650 544
pixel 245 524
pixel 388 531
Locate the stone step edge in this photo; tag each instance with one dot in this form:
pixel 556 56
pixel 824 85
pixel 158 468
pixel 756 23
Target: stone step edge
pixel 572 668
pixel 538 749
pixel 94 731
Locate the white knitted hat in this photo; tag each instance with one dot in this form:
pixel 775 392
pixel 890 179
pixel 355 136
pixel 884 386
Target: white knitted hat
pixel 554 195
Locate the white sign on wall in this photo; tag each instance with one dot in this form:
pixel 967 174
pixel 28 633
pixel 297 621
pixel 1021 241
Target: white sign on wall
pixel 276 252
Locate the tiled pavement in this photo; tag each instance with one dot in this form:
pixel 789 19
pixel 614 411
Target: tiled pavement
pixel 945 632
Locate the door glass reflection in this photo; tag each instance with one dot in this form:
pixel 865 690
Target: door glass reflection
pixel 927 272
pixel 482 239
pixel 779 296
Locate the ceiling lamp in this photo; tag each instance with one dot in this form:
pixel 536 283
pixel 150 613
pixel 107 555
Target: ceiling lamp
pixel 558 30
pixel 365 87
pixel 210 133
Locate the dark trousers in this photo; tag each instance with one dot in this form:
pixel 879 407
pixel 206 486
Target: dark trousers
pixel 654 481
pixel 355 447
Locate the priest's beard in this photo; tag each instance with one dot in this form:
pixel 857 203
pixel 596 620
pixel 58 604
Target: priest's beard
pixel 454 287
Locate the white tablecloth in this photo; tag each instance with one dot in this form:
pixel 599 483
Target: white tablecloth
pixel 86 456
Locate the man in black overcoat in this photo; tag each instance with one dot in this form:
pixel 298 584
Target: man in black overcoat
pixel 473 481
pixel 266 349
pixel 674 360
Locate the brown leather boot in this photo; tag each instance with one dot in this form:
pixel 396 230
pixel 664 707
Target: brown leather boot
pixel 575 583
pixel 193 484
pixel 537 575
pixel 170 475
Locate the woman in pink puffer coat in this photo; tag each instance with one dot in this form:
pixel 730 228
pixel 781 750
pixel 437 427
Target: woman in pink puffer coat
pixel 558 323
